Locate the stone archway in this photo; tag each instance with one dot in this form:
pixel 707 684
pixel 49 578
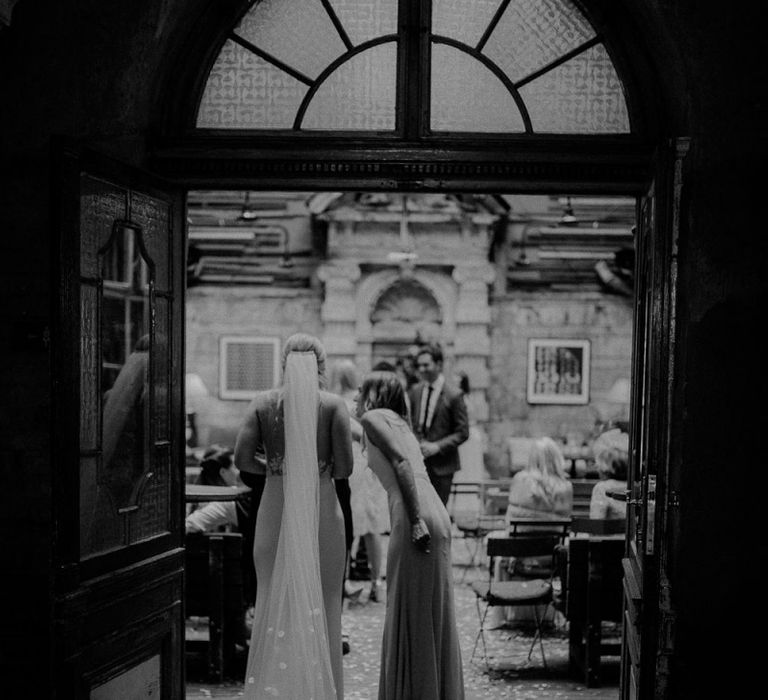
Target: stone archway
pixel 403 311
pixel 361 309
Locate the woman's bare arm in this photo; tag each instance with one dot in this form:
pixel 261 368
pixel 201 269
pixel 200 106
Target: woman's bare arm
pixel 380 434
pixel 248 442
pixel 356 429
pixel 341 440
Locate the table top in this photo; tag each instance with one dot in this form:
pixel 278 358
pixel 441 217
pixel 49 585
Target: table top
pixel 198 493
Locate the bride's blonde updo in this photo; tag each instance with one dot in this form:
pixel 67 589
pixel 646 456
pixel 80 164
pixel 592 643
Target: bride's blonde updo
pixel 303 342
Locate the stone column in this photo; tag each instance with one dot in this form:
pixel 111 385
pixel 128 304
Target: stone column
pixel 338 312
pixel 472 351
pixel 472 346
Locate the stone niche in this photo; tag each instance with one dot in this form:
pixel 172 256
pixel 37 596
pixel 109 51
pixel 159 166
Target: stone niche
pixel 403 268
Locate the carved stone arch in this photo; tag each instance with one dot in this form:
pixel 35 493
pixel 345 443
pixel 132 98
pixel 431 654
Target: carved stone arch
pixel 406 299
pixel 440 287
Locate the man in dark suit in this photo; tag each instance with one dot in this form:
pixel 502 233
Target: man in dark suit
pixel 439 419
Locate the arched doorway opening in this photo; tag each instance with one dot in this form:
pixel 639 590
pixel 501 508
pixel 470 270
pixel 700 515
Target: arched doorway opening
pixel 543 128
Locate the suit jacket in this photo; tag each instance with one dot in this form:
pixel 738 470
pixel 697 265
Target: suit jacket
pixel 448 430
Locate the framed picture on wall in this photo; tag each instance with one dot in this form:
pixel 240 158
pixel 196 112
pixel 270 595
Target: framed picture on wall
pixel 558 371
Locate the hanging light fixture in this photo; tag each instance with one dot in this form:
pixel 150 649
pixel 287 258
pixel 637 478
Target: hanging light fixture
pixel 568 218
pixel 247 213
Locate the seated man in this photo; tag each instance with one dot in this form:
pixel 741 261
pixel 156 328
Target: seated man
pixel 217 469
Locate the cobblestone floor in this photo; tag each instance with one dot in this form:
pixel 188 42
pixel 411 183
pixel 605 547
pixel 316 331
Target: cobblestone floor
pixel 512 677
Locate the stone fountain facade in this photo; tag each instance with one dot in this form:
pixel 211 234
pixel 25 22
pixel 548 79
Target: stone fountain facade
pixel 408 266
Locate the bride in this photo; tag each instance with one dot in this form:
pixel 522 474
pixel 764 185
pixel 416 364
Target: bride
pixel 299 549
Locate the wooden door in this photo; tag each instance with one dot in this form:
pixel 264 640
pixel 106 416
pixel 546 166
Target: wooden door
pixel 119 420
pixel 651 495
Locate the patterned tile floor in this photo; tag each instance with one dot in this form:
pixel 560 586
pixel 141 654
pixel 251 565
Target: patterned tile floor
pixel 364 622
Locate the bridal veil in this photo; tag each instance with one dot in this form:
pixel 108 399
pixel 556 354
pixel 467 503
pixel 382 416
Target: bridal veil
pixel 291 658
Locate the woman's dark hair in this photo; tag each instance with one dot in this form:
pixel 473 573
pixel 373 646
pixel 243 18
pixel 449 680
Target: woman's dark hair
pixel 384 390
pixel 214 459
pixel 383 366
pixel 463 381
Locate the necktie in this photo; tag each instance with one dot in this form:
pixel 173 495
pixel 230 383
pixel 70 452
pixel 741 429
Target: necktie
pixel 426 411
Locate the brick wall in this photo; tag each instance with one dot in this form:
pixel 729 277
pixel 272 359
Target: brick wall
pixel 215 311
pixel 604 320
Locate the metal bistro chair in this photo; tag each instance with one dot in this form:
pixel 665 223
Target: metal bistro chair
pixel 535 592
pixel 473 523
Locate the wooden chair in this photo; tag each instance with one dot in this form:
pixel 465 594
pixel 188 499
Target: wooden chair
pixel 598 526
pixel 536 592
pixel 582 494
pixel 517 527
pixel 591 575
pixel 214 590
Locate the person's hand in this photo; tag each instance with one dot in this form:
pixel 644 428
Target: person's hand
pixel 428 448
pixel 420 535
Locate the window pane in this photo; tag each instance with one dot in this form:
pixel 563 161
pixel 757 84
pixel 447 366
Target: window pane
pixel 533 33
pixel 466 96
pixel 161 368
pixel 359 95
pixel 366 19
pixel 153 516
pixel 245 92
pixel 154 217
pixel 583 95
pixel 101 526
pixel 299 33
pixel 101 203
pixel 462 21
pixel 90 361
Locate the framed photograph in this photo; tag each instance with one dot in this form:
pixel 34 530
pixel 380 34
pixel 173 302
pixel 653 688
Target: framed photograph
pixel 558 371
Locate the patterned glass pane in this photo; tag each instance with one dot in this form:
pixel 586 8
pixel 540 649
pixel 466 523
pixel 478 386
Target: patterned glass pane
pixel 101 204
pixel 153 515
pixel 101 526
pixel 90 404
pixel 359 95
pixel 366 19
pixel 533 33
pixel 154 217
pixel 245 92
pixel 466 96
pixel 124 335
pixel 462 21
pixel 161 384
pixel 583 95
pixel 299 33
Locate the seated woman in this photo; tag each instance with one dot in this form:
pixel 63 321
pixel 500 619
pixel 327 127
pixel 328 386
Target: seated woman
pixel 217 469
pixel 540 491
pixel 611 451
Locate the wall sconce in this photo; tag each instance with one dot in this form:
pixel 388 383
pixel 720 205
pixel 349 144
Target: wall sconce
pixel 247 213
pixel 194 391
pixel 619 392
pixel 568 218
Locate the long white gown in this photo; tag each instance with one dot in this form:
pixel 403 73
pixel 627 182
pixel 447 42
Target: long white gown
pixel 295 649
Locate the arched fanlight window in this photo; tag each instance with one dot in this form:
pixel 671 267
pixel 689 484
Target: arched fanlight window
pixel 482 66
